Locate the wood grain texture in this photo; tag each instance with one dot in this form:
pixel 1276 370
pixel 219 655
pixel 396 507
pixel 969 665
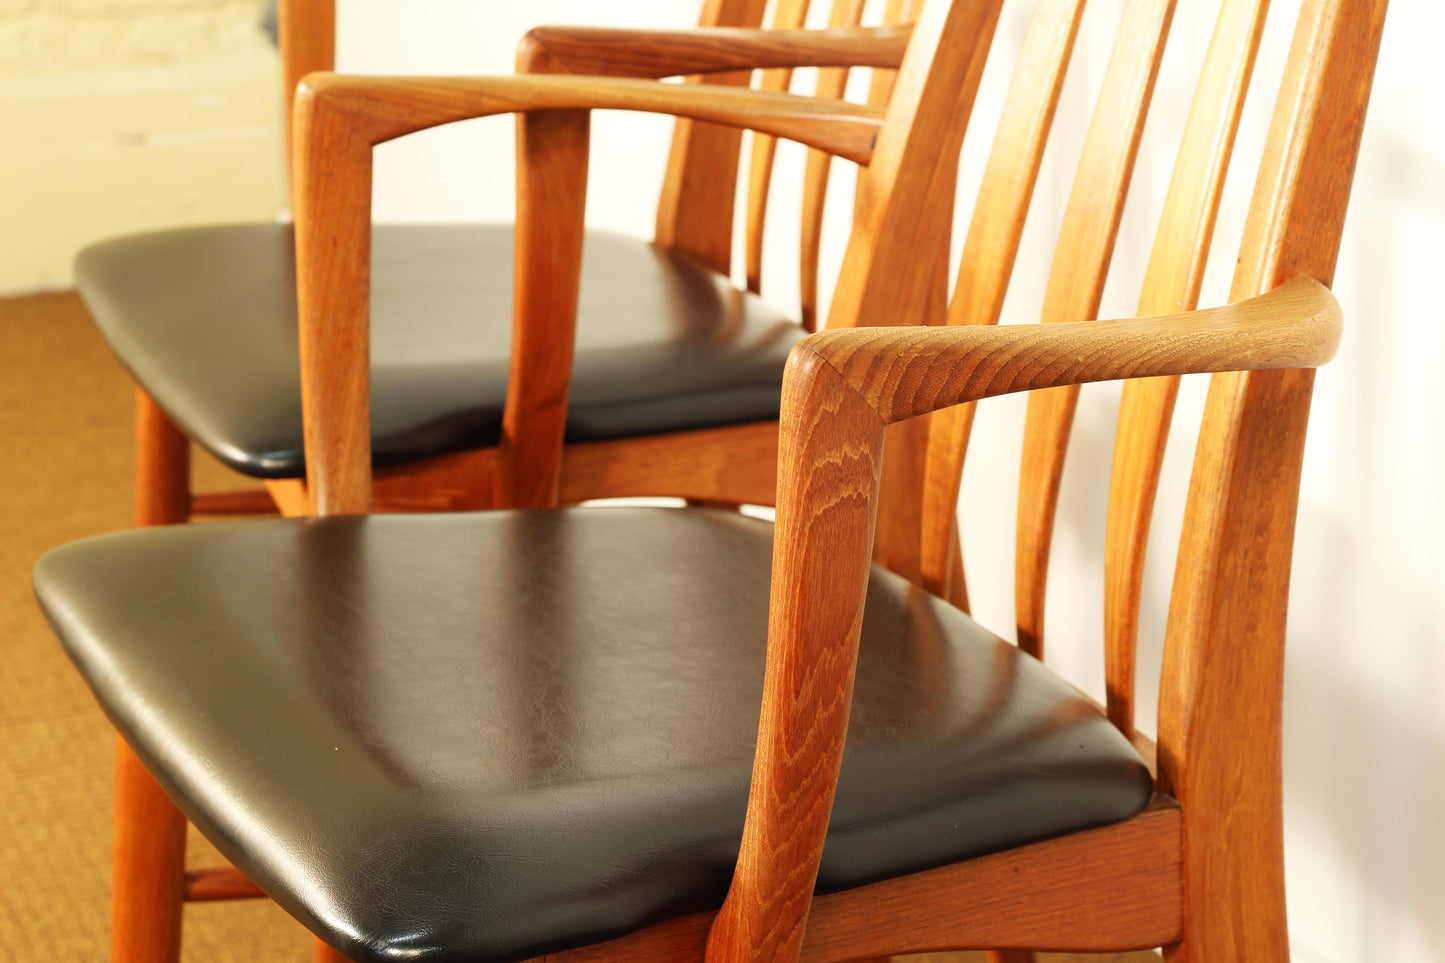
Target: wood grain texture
pixel 830 445
pixel 1171 283
pixel 1221 696
pixel 1076 283
pixel 989 252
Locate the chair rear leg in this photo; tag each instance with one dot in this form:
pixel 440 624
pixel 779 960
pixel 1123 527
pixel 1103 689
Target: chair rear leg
pixel 163 466
pixel 149 834
pixel 147 868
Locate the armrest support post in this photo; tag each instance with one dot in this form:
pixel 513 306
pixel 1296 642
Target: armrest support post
pixel 547 269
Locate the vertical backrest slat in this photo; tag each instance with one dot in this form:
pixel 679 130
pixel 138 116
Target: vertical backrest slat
pixel 1221 692
pixel 832 82
pixel 306 35
pixel 1076 283
pixel 695 212
pixel 1171 283
pixel 989 251
pixel 880 85
pixel 789 15
pixel 880 89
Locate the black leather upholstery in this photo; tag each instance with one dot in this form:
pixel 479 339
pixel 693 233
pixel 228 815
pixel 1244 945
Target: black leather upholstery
pixel 205 319
pixel 481 737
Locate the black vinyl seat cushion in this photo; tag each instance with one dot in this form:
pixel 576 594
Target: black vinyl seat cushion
pixel 205 319
pixel 488 736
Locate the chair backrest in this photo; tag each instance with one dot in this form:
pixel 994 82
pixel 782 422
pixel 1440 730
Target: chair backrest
pixel 1294 228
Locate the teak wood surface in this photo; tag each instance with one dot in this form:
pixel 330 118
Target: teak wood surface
pixel 1200 870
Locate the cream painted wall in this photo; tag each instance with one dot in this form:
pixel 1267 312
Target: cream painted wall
pixel 123 115
pixel 1365 720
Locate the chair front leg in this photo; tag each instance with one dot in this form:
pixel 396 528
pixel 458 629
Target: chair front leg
pixel 162 466
pixel 148 867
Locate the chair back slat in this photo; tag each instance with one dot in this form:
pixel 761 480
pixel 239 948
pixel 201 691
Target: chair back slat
pixel 989 251
pixel 789 15
pixel 832 82
pixel 1076 284
pixel 306 36
pixel 695 212
pixel 880 85
pixel 1171 284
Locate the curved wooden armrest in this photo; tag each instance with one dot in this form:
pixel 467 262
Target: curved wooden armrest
pixel 339 119
pixel 705 50
pixel 903 371
pixel 378 109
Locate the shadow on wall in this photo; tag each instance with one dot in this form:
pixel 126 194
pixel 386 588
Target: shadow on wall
pixel 1364 763
pixel 1364 723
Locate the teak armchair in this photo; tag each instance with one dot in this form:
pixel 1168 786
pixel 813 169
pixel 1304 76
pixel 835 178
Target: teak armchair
pixel 678 374
pixel 501 735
